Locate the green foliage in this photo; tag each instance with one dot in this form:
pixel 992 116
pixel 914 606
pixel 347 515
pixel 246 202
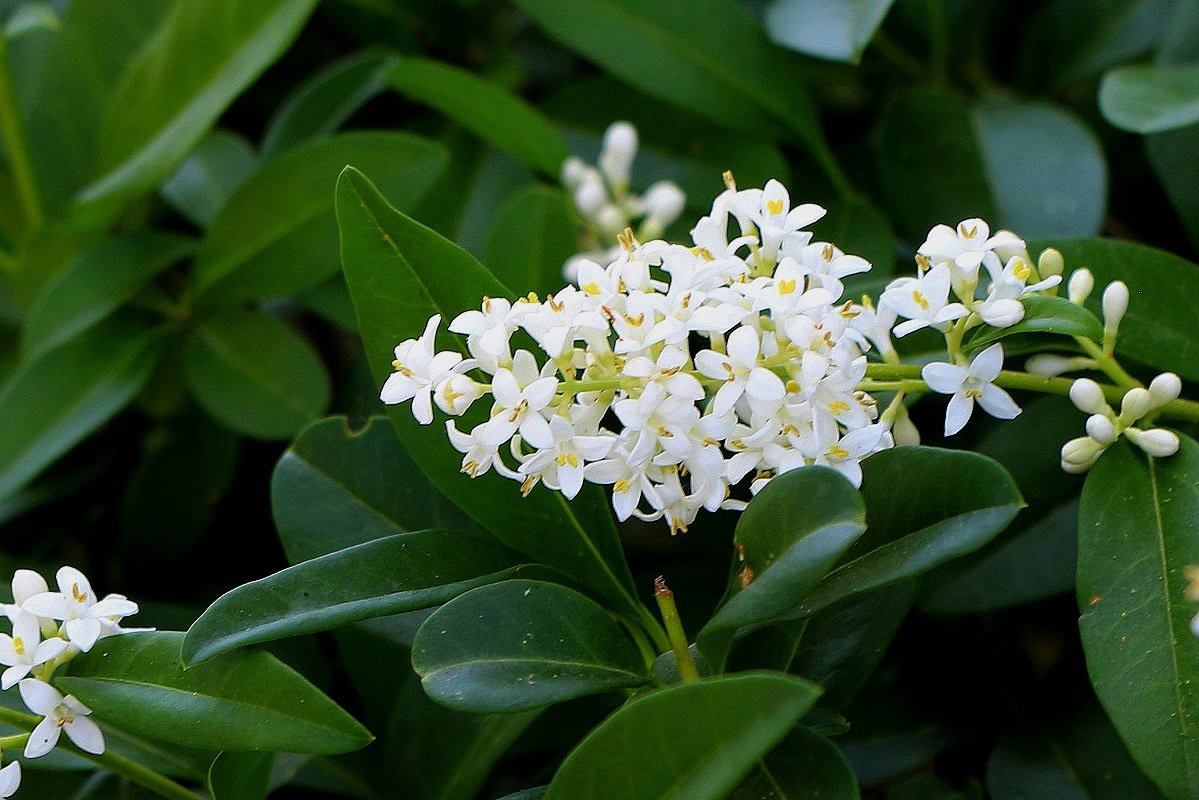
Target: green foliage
pixel 1045 314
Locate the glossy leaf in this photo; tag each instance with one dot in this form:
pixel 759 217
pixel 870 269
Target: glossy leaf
pixel 321 104
pixel 199 60
pixel 400 274
pixel 1135 536
pixel 277 234
pixel 694 741
pixel 96 284
pixel 336 487
pixel 204 182
pixel 789 537
pixel 1159 327
pixel 835 29
pixel 530 240
pixel 522 644
pixel 1045 314
pixel 804 766
pixel 1045 167
pixel 405 572
pixel 240 776
pixel 1151 99
pixel 255 375
pixel 924 506
pixel 51 404
pixel 488 111
pixel 241 701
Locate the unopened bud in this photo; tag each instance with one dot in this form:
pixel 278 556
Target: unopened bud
pixel 573 172
pixel 1136 404
pixel 1080 286
pixel 616 158
pixel 1050 263
pixel 611 220
pixel 1050 365
pixel 1079 455
pixel 1003 313
pixel 663 203
pixel 905 431
pixel 1011 247
pixel 1087 396
pixel 1165 388
pixel 1157 442
pixel 1115 303
pixel 25 584
pixel 590 195
pixel 1101 428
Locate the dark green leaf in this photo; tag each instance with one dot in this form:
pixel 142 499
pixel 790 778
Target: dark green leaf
pixel 488 111
pixel 833 29
pixel 204 182
pixel 96 284
pixel 277 235
pixel 1170 156
pixel 1144 99
pixel 336 487
pixel 858 227
pixel 51 403
pixel 1136 534
pixel 924 506
pixel 531 239
pixel 241 701
pixel 199 60
pixel 405 572
pixel 804 766
pixel 240 776
pixel 400 274
pixel 520 645
pixel 321 104
pixel 694 741
pixel 1045 314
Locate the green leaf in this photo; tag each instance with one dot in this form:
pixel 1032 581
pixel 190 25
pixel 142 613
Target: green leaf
pixel 1159 327
pixel 694 741
pixel 51 403
pixel 485 109
pixel 240 776
pixel 530 240
pixel 858 227
pixel 96 284
pixel 278 235
pixel 200 59
pixel 336 487
pixel 924 506
pixel 254 374
pixel 931 169
pixel 204 182
pixel 1170 157
pixel 400 274
pixel 1180 44
pixel 405 572
pixel 320 105
pixel 789 537
pixel 834 29
pixel 241 701
pixel 682 52
pixel 1136 534
pixel 804 766
pixel 522 644
pixel 1044 314
pixel 1045 168
pixel 1144 99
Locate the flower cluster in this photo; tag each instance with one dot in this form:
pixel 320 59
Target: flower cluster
pixel 1104 425
pixel 604 200
pixel 48 630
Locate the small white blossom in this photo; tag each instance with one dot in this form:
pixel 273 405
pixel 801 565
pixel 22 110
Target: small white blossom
pixel 924 301
pixel 10 779
pixel 417 370
pixel 83 614
pixel 59 714
pixel 967 246
pixel 968 384
pixel 24 650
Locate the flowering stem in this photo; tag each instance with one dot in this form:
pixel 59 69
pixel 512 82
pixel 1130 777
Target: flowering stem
pixel 674 627
pixel 1108 365
pixel 13 741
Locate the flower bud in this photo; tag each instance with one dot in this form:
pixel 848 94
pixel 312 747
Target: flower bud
pixel 1010 246
pixel 616 158
pixel 1003 313
pixel 590 195
pixel 1165 388
pixel 1079 455
pixel 663 203
pixel 573 172
pixel 905 431
pixel 1087 396
pixel 1115 303
pixel 1157 442
pixel 455 394
pixel 1101 428
pixel 1050 365
pixel 1050 263
pixel 611 220
pixel 25 584
pixel 1136 404
pixel 1080 286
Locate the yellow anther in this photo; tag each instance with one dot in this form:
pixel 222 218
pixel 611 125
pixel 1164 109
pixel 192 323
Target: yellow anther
pixel 449 394
pixel 922 262
pixel 790 430
pixel 967 233
pixel 527 484
pixel 848 311
pixel 635 321
pixel 710 442
pixel 591 288
pixel 729 183
pixel 400 368
pixel 703 253
pixel 79 595
pixel 920 299
pixel 727 368
pixel 532 297
pixel 567 458
pixel 827 252
pixel 626 239
pixel 18 645
pixel 1021 270
pixel 736 444
pixel 470 468
pixel 677 526
pixel 867 303
pixel 838 452
pixel 621 485
pixel 774 207
pixel 555 305
pixel 486 304
pixel 787 287
pixel 792 385
pixel 838 407
pixel 974 393
pixel 665 434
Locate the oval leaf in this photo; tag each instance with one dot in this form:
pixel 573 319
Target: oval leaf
pixel 694 741
pixel 833 29
pixel 204 182
pixel 1136 535
pixel 804 766
pixel 405 572
pixel 1151 99
pixel 255 375
pixel 522 644
pixel 1045 314
pixel 240 776
pixel 241 701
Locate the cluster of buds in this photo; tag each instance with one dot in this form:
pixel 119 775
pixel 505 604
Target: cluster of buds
pixel 1105 426
pixel 604 199
pixel 48 630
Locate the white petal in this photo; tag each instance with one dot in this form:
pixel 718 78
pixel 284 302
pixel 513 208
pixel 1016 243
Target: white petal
pixel 911 326
pixel 10 779
pixel 444 362
pixel 25 584
pixel 43 738
pixel 743 347
pixel 625 502
pixel 711 364
pixel 52 605
pixel 944 378
pixel 608 471
pixel 83 633
pixel 988 363
pixel 765 385
pixel 41 698
pixel 73 583
pixel 540 392
pixel 726 397
pixel 422 405
pixel 86 735
pixel 570 480
pixel 957 414
pixel 505 389
pixel 804 215
pixel 536 431
pixel 13 675
pixel 398 388
pixel 998 403
pixel 49 650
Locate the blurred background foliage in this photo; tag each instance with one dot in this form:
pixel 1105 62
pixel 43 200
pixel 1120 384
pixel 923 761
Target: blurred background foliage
pixel 172 311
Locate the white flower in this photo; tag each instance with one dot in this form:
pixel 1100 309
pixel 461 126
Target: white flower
pixel 24 650
pixel 968 384
pixel 520 396
pixel 619 150
pixel 741 373
pixel 561 465
pixel 924 301
pixel 84 616
pixel 60 714
pixel 770 209
pixel 10 779
pixel 456 393
pixel 629 482
pixel 967 246
pixel 1003 308
pixel 25 584
pixel 417 371
pixel 846 454
pixel 479 456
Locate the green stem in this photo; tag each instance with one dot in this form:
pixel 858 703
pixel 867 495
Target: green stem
pixel 18 719
pixel 656 632
pixel 1108 365
pixel 18 740
pixel 142 776
pixel 674 626
pixel 14 140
